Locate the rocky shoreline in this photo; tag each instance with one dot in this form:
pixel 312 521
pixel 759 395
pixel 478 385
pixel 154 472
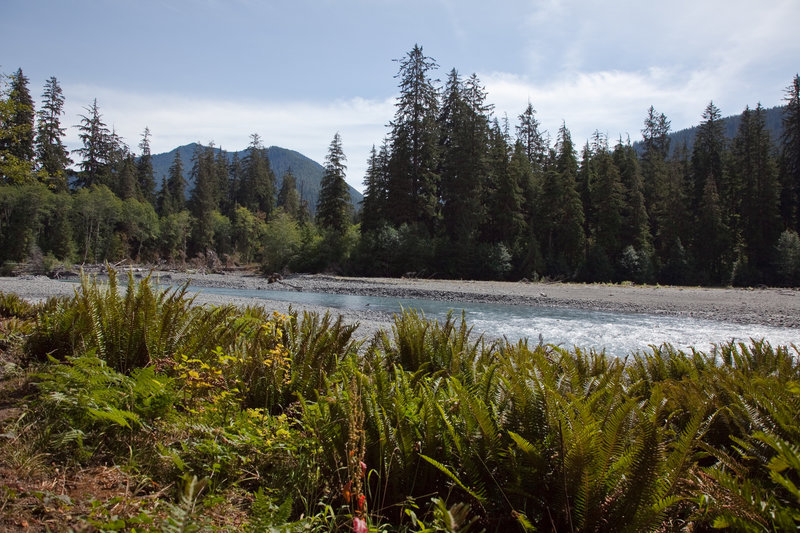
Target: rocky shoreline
pixel 769 306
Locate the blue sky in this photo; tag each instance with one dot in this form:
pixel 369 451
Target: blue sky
pixel 298 71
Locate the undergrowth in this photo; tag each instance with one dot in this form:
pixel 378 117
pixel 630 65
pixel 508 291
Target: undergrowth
pixel 220 418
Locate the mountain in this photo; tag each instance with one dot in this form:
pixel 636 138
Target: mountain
pixel 307 172
pixel 773 118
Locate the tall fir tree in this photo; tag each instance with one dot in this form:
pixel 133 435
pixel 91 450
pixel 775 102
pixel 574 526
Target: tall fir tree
pixel 413 180
pixel 712 238
pixel 635 218
pixel 790 157
pixel 22 119
pixel 672 218
pixel 713 194
pixel 708 153
pixel 176 185
pixel 125 185
pixel 586 178
pixel 204 199
pixel 656 143
pixel 758 202
pixel 222 177
pixel 464 145
pixel 51 153
pixel 288 196
pixel 531 138
pixel 236 172
pixel 96 153
pixel 561 216
pixel 374 207
pixel 257 187
pixel 528 259
pixel 607 201
pixel 16 131
pixel 145 179
pixel 505 218
pixel 334 210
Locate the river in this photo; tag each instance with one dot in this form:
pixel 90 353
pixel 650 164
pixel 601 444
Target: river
pixel 616 333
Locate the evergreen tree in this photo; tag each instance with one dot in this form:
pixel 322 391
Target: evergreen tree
pixel 334 209
pixel 708 151
pixel 712 243
pixel 222 177
pixel 790 157
pixel 163 200
pixel 711 202
pixel 586 179
pixel 236 172
pixel 464 144
pixel 635 219
pixel 22 119
pixel 203 200
pixel 146 181
pixel 125 184
pixel 561 217
pixel 607 203
pixel 528 254
pixel 53 157
pixel 413 181
pixel 655 134
pixel 16 131
pixel 505 217
pixel 97 152
pixel 257 188
pixel 288 197
pixel 176 185
pixel 672 220
pixel 656 141
pixel 374 205
pixel 759 199
pixel 531 138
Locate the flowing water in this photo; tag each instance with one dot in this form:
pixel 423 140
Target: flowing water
pixel 616 333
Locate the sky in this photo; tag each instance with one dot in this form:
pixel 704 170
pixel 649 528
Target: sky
pixel 297 71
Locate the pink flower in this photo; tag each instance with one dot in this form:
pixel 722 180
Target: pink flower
pixel 363 469
pixel 359 526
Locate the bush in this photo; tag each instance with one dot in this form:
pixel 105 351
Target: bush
pixel 129 330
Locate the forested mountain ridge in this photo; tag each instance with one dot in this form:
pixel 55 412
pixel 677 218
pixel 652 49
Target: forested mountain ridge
pixel 773 124
pixel 307 172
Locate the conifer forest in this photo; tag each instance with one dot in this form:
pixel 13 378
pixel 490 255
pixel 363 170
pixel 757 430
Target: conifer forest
pixel 452 192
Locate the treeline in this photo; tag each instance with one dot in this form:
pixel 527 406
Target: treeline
pixel 451 192
pixel 106 206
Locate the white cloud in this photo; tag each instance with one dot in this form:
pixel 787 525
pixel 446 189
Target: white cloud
pixel 175 120
pixel 615 102
pixel 595 63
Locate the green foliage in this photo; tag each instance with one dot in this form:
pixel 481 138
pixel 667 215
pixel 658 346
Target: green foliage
pixel 281 241
pixel 92 409
pixel 129 330
pixel 787 258
pixel 333 207
pixel 12 306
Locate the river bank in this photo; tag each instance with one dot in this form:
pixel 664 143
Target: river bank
pixel 771 306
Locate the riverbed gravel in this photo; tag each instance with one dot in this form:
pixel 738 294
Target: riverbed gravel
pixel 767 306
